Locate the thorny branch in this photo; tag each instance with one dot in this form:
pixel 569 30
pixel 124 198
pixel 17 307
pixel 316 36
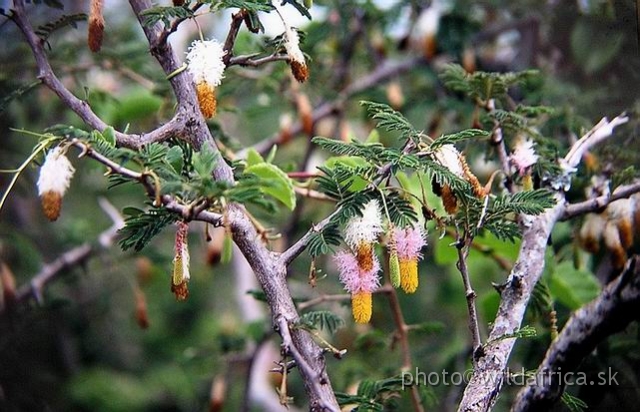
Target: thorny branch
pixel 486 382
pixel 69 259
pixel 189 125
pixel 615 307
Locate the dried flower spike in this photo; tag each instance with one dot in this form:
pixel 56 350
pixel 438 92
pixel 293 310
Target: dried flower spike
pixel 53 182
pixel 96 25
pixel 206 65
pixel 181 274
pixel 297 61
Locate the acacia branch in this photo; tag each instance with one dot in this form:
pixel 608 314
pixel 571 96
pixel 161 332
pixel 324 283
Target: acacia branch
pixel 382 73
pixel 462 247
pixel 486 382
pixel 47 76
pixel 51 271
pixel 598 204
pixel 616 306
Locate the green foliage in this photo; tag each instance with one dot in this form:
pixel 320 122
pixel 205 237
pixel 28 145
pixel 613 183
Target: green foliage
pixel 17 93
pixel 592 50
pixel 321 320
pixel 373 395
pixel 401 211
pixel 573 287
pixel 321 242
pixel 141 226
pixel 480 85
pixel 275 183
pixel 572 403
pixel 526 331
pixel 249 5
pixel 458 137
pixel 72 20
pixel 528 202
pixel 391 120
pixel 165 14
pixel 623 177
pixel 54 4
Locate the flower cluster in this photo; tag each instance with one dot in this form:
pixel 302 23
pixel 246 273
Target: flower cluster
pixel 181 274
pixel 53 181
pixel 206 65
pixel 359 266
pixel 406 245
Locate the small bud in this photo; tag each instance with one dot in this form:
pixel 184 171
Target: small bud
pixel 395 95
pixel 144 269
pixel 305 110
pixel 142 317
pixel 218 394
pixel 181 274
pixel 394 269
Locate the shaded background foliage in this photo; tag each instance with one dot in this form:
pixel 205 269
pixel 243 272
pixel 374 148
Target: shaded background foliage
pixel 81 349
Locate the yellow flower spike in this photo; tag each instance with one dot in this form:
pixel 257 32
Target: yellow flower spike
pixel 409 275
pixel 207 99
pixel 361 306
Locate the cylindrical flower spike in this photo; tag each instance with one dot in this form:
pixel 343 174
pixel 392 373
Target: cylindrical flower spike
pixel 53 181
pixel 362 306
pixel 206 65
pixel 297 61
pixel 181 274
pixel 359 283
pixel 96 25
pixel 409 241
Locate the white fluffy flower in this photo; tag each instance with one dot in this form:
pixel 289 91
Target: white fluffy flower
pixel 205 63
pixel 449 157
pixel 524 155
pixel 53 182
pixel 55 173
pixel 365 228
pixel 292 45
pixel 297 62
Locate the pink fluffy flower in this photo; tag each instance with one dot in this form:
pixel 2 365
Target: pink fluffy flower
pixel 354 278
pixel 409 242
pixel 407 245
pixel 523 156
